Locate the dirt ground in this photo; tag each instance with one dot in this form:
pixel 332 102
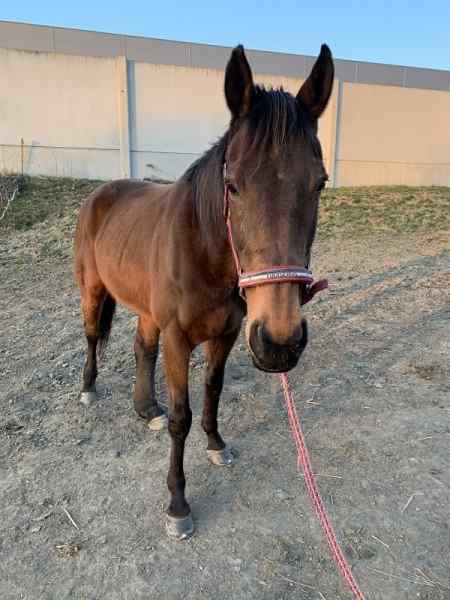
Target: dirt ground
pixel 83 492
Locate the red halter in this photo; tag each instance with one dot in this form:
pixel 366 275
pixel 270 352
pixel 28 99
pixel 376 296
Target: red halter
pixel 281 273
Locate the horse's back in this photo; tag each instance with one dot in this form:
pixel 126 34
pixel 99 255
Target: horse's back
pixel 100 202
pixel 110 198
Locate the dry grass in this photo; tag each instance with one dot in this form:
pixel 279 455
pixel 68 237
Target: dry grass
pixel 46 199
pixel 344 211
pixel 390 209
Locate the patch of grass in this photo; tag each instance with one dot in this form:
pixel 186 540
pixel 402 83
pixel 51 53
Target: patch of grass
pixel 366 210
pixel 46 198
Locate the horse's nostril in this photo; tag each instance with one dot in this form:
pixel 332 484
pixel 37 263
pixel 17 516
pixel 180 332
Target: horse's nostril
pixel 260 340
pixel 261 332
pixel 299 338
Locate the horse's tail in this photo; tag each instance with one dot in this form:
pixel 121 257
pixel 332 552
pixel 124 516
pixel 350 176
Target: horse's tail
pixel 105 322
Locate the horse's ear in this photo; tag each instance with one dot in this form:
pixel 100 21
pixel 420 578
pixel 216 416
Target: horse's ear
pixel 239 88
pixel 315 92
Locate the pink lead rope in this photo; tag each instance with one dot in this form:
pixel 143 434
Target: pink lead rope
pixel 304 276
pixel 316 499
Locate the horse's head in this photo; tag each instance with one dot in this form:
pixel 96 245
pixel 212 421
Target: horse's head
pixel 275 173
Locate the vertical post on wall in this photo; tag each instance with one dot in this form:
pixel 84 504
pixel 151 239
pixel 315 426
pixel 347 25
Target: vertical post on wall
pixel 337 136
pixel 123 115
pixel 329 141
pixel 21 156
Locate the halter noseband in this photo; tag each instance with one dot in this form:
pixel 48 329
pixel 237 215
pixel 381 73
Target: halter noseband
pixel 278 274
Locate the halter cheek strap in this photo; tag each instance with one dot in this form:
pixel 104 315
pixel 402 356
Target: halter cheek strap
pixel 277 274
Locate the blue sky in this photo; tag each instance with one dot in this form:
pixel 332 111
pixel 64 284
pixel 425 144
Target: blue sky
pixel 414 32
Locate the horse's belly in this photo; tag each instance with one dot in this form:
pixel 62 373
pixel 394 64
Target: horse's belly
pixel 124 288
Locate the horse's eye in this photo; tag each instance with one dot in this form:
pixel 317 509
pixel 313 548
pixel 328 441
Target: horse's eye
pixel 233 189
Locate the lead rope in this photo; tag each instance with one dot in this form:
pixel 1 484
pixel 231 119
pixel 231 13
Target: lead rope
pixel 305 463
pixel 303 455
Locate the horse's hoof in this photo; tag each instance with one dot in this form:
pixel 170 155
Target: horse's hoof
pixel 179 528
pixel 221 458
pixel 158 423
pixel 87 398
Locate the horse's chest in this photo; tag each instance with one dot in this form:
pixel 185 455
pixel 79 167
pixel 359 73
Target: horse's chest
pixel 214 323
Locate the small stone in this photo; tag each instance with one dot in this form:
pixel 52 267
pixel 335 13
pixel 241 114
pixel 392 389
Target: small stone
pixel 68 550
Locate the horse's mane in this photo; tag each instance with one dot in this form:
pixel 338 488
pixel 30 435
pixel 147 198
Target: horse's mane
pixel 275 118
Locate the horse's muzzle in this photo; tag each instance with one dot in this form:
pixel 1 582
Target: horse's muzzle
pixel 272 357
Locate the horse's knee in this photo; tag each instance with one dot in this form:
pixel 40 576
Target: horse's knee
pixel 144 351
pixel 214 378
pixel 180 424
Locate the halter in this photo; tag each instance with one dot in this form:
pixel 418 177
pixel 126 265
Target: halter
pixel 277 274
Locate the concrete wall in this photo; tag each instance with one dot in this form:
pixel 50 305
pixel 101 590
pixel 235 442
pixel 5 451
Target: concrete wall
pixel 392 135
pixel 176 113
pixel 65 109
pixel 105 106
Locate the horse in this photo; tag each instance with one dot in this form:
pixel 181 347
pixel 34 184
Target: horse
pixel 190 258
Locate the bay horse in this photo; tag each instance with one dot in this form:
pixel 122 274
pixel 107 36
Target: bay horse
pixel 163 252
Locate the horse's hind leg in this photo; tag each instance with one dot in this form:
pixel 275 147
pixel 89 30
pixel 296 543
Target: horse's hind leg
pixel 146 353
pixel 98 309
pixel 216 351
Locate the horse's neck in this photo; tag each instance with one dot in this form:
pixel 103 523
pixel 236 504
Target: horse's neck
pixel 212 249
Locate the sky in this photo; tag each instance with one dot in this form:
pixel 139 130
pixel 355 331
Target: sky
pixel 410 33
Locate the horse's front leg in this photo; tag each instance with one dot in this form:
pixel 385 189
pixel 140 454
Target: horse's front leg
pixel 216 351
pixel 177 351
